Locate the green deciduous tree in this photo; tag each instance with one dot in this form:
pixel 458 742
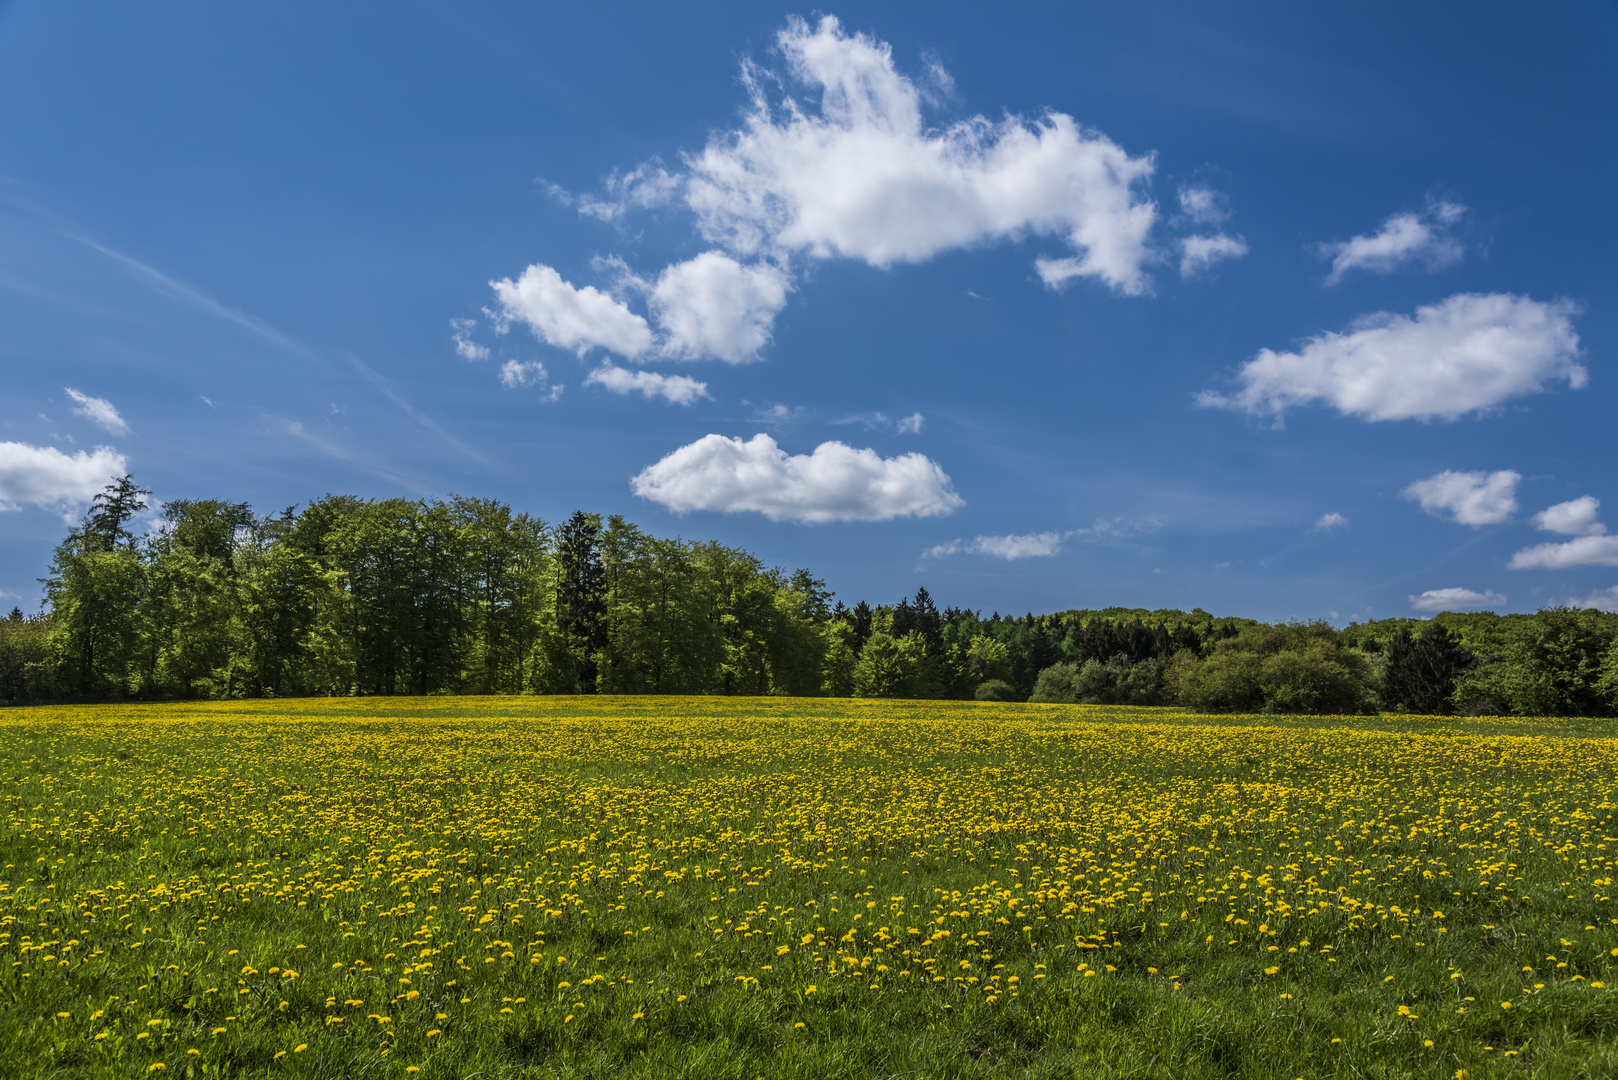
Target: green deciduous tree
pixel 890 667
pixel 1551 665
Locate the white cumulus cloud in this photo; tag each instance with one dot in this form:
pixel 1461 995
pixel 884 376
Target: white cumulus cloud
pixel 44 476
pixel 679 389
pixel 522 373
pixel 1583 551
pixel 714 306
pixel 1576 517
pixel 1197 252
pixel 1331 522
pixel 1465 354
pixel 1590 546
pixel 1202 204
pixel 1402 238
pixel 1455 600
pixel 97 411
pixel 1601 600
pixel 912 424
pixel 834 483
pixel 850 170
pixel 568 317
pixel 465 347
pixel 862 176
pixel 1468 498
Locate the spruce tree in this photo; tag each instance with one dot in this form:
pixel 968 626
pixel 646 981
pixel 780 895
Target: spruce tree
pixel 928 620
pixel 860 619
pixel 581 593
pixel 1421 671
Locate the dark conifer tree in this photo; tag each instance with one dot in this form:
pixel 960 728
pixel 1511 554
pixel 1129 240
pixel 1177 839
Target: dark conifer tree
pixel 1042 649
pixel 929 621
pixel 860 620
pixel 904 618
pixel 1421 672
pixel 1185 637
pixel 581 593
pixel 1099 641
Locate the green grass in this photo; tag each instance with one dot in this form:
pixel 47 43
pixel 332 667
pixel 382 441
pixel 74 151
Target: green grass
pixel 1134 892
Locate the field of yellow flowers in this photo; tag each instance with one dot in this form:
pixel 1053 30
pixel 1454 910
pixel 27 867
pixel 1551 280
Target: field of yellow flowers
pixel 721 887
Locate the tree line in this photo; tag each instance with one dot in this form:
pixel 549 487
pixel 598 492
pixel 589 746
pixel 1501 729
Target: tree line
pixel 464 596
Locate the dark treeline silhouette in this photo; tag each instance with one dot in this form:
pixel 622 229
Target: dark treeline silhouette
pixel 354 596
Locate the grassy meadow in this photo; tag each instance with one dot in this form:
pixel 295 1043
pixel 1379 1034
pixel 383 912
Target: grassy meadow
pixel 770 887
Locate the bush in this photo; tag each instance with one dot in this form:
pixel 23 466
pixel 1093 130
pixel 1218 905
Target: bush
pixel 1227 681
pixel 995 690
pixel 1055 685
pixel 1119 682
pixel 1316 678
pixel 1296 667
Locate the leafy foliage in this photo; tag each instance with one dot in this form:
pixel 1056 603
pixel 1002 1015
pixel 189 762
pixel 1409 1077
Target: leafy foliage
pixel 465 596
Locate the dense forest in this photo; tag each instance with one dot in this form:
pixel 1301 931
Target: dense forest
pixel 463 596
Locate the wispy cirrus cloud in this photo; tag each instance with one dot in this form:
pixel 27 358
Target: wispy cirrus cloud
pixel 1014 546
pixel 1403 238
pixel 98 411
pixel 913 424
pixel 1010 547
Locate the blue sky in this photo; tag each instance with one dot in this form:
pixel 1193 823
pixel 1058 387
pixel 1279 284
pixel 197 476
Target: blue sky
pixel 1279 312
